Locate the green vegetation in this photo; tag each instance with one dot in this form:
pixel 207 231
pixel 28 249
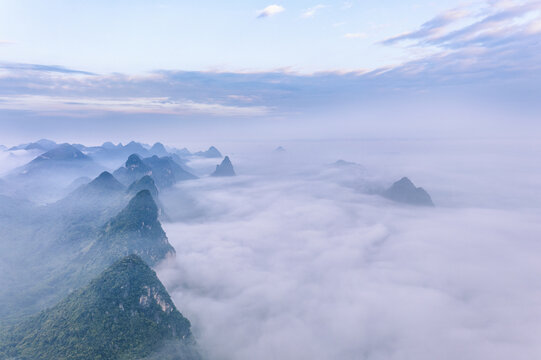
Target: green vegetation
pixel 125 313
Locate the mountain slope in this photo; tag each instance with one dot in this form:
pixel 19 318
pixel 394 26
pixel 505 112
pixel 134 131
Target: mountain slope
pixel 90 204
pixel 144 183
pixel 136 230
pixel 125 313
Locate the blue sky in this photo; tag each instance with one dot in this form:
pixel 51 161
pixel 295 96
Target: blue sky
pixel 288 69
pixel 134 36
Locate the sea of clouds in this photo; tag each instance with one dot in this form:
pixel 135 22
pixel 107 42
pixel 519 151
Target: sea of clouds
pixel 298 259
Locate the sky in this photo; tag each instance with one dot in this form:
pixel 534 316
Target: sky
pixel 74 70
pixel 136 36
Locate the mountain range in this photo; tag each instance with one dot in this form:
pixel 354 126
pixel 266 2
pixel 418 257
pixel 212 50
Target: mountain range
pixel 58 247
pixel 164 170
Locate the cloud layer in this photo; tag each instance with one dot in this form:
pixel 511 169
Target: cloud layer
pixel 300 265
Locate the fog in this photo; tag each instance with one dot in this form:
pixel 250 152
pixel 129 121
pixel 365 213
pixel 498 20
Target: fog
pixel 297 259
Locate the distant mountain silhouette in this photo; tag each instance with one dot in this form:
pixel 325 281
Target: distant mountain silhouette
pixel 182 152
pixel 158 149
pixel 110 146
pixel 64 163
pixel 63 152
pixel 225 168
pixel 111 153
pixel 212 152
pixel 344 163
pixel 135 148
pixel 43 144
pixel 164 170
pixel 404 191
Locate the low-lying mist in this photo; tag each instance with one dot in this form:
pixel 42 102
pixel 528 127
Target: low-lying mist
pixel 299 259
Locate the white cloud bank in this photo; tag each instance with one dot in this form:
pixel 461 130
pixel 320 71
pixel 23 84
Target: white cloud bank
pixel 293 265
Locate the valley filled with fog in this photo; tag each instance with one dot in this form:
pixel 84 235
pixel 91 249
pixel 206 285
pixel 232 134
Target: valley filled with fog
pixel 297 258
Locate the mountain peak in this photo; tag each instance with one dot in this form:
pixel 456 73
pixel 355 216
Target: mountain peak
pixel 143 207
pixel 212 152
pixel 108 145
pixel 63 152
pixel 41 144
pixel 135 229
pixel 134 160
pixel 106 181
pixel 404 191
pixel 225 168
pixel 158 149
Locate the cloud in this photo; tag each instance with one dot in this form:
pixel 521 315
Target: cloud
pixel 312 11
pixel 166 106
pixel 41 68
pixel 355 35
pixel 495 43
pixel 432 28
pixel 288 263
pixel 485 27
pixel 270 10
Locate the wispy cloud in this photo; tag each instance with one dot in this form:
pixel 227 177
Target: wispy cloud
pixel 494 22
pixel 41 68
pixel 496 41
pixel 139 105
pixel 430 29
pixel 312 11
pixel 270 10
